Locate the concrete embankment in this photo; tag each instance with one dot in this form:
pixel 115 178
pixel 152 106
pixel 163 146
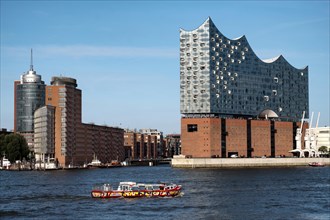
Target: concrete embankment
pixel 244 162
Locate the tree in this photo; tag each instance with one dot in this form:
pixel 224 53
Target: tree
pixel 324 150
pixel 14 146
pixel 3 145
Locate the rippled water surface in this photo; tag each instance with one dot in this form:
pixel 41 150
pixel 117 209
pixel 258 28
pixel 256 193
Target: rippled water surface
pixel 262 193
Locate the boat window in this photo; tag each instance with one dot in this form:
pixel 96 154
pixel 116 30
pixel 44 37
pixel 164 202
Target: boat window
pixel 156 187
pixel 136 188
pixel 124 187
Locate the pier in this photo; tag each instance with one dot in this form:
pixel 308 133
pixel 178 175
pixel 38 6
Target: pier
pixel 148 162
pixel 244 162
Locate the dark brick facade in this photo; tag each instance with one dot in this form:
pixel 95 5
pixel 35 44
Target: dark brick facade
pixel 140 146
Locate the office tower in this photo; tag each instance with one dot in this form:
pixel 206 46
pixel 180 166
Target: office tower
pixel 29 95
pixel 66 98
pixel 77 143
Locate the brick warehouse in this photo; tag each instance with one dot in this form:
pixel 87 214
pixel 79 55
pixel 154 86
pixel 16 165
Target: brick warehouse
pixel 141 145
pixel 220 137
pixel 233 103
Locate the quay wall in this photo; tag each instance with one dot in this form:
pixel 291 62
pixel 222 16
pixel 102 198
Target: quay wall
pixel 244 162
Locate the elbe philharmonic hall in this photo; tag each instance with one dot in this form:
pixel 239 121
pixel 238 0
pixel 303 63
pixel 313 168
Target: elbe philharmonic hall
pixel 232 102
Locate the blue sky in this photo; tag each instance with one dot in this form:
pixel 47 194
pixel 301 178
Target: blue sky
pixel 125 54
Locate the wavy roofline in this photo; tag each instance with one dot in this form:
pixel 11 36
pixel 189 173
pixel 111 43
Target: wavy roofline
pixel 209 18
pixel 266 61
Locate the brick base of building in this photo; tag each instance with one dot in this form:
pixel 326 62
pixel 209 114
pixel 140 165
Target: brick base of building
pixel 224 137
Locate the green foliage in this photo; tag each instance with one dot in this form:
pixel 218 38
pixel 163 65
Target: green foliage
pixel 325 152
pixel 14 146
pixel 323 149
pixel 3 146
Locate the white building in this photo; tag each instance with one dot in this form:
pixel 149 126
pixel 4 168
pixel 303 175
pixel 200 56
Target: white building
pixel 316 138
pixel 44 129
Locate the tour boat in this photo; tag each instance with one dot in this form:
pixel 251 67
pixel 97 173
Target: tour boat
pixel 316 164
pixel 136 190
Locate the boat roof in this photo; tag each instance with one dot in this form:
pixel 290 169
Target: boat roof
pixel 127 183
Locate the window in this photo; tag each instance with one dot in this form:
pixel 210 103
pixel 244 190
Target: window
pixel 192 127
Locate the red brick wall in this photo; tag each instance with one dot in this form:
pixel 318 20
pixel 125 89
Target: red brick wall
pixel 206 141
pixel 52 98
pixel 107 143
pixel 283 138
pixel 237 136
pixel 201 143
pixel 214 132
pixel 146 143
pixel 260 138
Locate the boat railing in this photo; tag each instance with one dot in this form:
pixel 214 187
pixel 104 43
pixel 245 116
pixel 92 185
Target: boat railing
pixel 102 187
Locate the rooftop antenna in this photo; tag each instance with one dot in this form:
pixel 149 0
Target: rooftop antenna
pixel 31 64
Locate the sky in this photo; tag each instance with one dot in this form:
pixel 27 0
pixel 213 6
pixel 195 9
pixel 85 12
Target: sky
pixel 125 54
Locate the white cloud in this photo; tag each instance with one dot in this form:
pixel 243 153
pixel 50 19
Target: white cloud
pixel 92 51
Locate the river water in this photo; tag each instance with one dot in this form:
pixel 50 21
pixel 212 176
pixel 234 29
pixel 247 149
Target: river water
pixel 254 193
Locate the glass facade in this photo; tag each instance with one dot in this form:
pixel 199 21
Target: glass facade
pixel 29 97
pixel 225 77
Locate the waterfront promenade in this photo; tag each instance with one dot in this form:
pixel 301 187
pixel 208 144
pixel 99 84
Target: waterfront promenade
pixel 244 162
